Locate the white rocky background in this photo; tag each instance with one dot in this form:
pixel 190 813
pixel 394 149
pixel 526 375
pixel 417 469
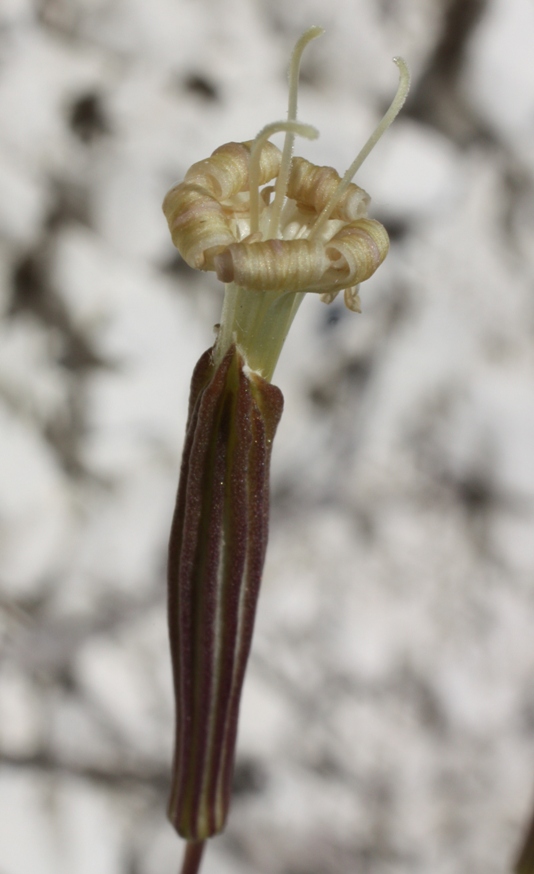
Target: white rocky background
pixel 388 719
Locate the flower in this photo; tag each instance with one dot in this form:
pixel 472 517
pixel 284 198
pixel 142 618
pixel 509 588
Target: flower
pixel 306 230
pixel 273 228
pixel 216 554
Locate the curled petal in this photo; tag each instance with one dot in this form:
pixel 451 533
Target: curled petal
pixel 356 251
pixel 198 224
pixel 274 265
pixel 225 173
pixel 270 160
pixel 313 186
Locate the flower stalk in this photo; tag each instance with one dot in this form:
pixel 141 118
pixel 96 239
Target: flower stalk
pixel 194 851
pixel 525 860
pixel 273 227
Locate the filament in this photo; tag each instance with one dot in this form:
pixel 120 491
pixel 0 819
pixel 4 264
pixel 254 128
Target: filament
pixel 302 130
pixel 283 175
pixel 393 111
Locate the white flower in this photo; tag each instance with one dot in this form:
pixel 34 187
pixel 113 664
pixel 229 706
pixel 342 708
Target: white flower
pixel 306 230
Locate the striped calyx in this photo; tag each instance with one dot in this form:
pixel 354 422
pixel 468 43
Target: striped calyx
pixel 216 554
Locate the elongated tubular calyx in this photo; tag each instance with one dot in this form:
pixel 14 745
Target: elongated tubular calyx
pixel 216 554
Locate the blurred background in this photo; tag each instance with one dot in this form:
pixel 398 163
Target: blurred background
pixel 388 717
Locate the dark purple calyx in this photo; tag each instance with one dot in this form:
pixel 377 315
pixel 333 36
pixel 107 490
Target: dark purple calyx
pixel 216 554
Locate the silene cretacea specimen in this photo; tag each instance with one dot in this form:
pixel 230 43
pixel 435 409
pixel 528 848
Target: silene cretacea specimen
pixel 273 227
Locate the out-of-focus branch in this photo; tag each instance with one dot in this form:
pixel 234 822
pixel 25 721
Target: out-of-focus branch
pixel 525 860
pixel 437 98
pixel 45 762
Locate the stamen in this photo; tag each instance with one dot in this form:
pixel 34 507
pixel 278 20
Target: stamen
pixel 302 130
pixel 283 175
pixel 393 111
